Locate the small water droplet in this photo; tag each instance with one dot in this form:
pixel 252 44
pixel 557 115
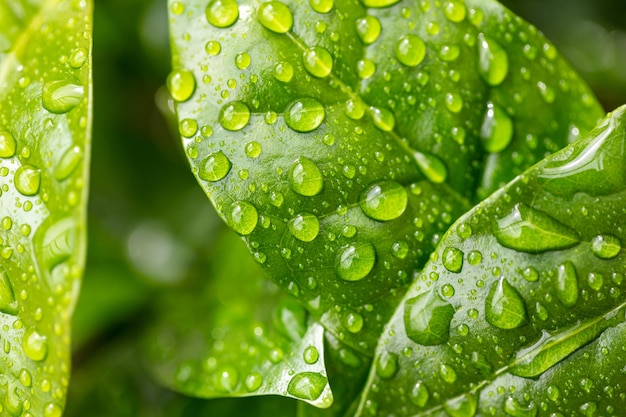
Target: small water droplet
pixel 504 306
pixel 474 257
pixel 283 71
pixel 68 163
pixel 447 373
pixel 497 129
pixel 318 61
pixel 322 6
pixel 276 198
pixel 427 319
pixel 234 116
pixel 35 345
pixel 454 11
pixel 365 68
pixel 310 355
pixel 243 217
pixel 454 102
pixel 61 96
pixel 547 92
pixel 462 406
pixel 419 394
pixel 304 227
pixel 222 13
pixel 213 48
pixel 595 281
pixel 307 385
pixel 27 180
pixel 214 167
pixel 606 246
pixel 253 149
pixel 26 378
pixel 588 409
pixel 353 322
pixel 493 61
pixel 242 61
pixel 368 28
pixel 181 84
pixel 355 108
pixel 530 274
pixel 383 119
pixel 567 284
pixel 78 58
pixel 276 16
pixel 384 200
pixel 447 290
pixel 513 408
pixel 226 378
pixel 53 410
pixel 386 364
pixel 449 52
pixel 400 249
pixel 253 381
pixel 305 177
pixel 188 128
pixel 304 115
pixel 431 166
pixel 354 262
pixel 410 50
pixel 8 145
pixel 452 259
pixel 553 392
pixel 8 305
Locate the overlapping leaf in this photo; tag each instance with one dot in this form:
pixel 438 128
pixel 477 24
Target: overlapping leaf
pixel 521 310
pixel 45 85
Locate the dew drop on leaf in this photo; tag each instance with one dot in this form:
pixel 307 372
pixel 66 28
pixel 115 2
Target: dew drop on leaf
pixel 368 28
pixel 243 217
pixel 276 16
pixel 53 410
pixel 400 249
pixel 283 71
pixel 304 227
pixel 8 304
pixel 188 128
pixel 365 68
pixel 26 378
pixel 462 406
pixel 546 92
pixel 419 394
pixel 304 115
pixel 234 116
pixel 68 163
pixel 447 373
pixel 214 167
pixel 567 284
pixel 35 345
pixel 276 198
pixel 305 177
pixel 530 274
pixel 310 355
pixel 355 261
pixel 307 385
pixel 222 13
pixel 410 50
pixel 213 48
pixel 449 52
pixel 61 96
pixel 595 281
pixel 8 145
pixel 78 58
pixel 432 167
pixel 606 246
pixel 253 149
pixel 427 319
pixel 322 6
pixel 493 62
pixel 387 364
pixel 253 381
pixel 318 61
pixel 384 200
pixel 504 306
pixel 27 180
pixel 497 129
pixel 181 84
pixel 242 60
pixel 226 378
pixel 453 259
pixel 355 108
pixel 379 3
pixel 353 322
pixel 454 102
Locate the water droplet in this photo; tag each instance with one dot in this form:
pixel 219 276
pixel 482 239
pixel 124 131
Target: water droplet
pixel 474 257
pixel 384 200
pixel 254 381
pixel 447 290
pixel 26 378
pixel 354 262
pixel 419 394
pixel 181 84
pixel 53 410
pixel 493 62
pixel 365 68
pixel 427 319
pixel 606 246
pixel 400 249
pixel 410 50
pixel 214 167
pixel 61 96
pixel 27 180
pixel 383 119
pixel 454 102
pixel 35 345
pixel 222 13
pixel 8 305
pixel 588 409
pixel 305 177
pixel 386 364
pixel 276 198
pixel 567 284
pixel 213 48
pixel 447 373
pixel 355 108
pixel 304 115
pixel 310 355
pixel 307 385
pixel 462 406
pixel 449 52
pixel 234 116
pixel 553 392
pixel 504 306
pixel 304 227
pixel 453 259
pixel 379 3
pixel 547 92
pixel 595 281
pixel 529 230
pixel 368 28
pixel 188 128
pixel 454 11
pixel 530 274
pixel 318 61
pixel 242 60
pixel 78 58
pixel 70 160
pixel 253 149
pixel 322 6
pixel 283 71
pixel 513 408
pixel 226 378
pixel 497 129
pixel 353 322
pixel 431 166
pixel 276 16
pixel 243 217
pixel 8 145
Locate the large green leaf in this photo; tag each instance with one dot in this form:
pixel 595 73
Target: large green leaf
pixel 45 114
pixel 521 309
pixel 341 139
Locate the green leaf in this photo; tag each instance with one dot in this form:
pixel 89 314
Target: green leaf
pixel 238 336
pixel 45 117
pixel 519 326
pixel 340 141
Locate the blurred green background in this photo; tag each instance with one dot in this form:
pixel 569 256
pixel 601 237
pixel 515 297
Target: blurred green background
pixel 152 230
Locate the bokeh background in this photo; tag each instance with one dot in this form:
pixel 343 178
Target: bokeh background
pixel 152 231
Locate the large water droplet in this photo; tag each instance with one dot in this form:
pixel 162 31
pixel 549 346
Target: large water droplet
pixel 504 306
pixel 35 345
pixel 354 262
pixel 305 177
pixel 304 227
pixel 529 230
pixel 318 61
pixel 427 319
pixel 307 385
pixel 275 16
pixel 493 62
pixel 222 13
pixel 513 408
pixel 606 246
pixel 61 96
pixel 432 167
pixel 243 217
pixel 387 364
pixel 384 200
pixel 419 394
pixel 567 284
pixel 497 129
pixel 453 259
pixel 368 28
pixel 234 116
pixel 27 180
pixel 462 406
pixel 410 50
pixel 454 11
pixel 383 119
pixel 214 167
pixel 8 145
pixel 305 114
pixel 322 6
pixel 181 84
pixel 8 305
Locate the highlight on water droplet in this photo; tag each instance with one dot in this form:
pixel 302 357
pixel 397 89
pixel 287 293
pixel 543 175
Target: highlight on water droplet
pixel 427 319
pixel 497 129
pixel 307 385
pixel 368 28
pixel 606 246
pixel 222 13
pixel 305 114
pixel 61 96
pixel 410 50
pixel 318 61
pixel 35 345
pixel 275 16
pixel 493 61
pixel 567 284
pixel 234 116
pixel 181 84
pixel 8 144
pixel 452 259
pixel 242 217
pixel 214 167
pixel 305 177
pixel 27 180
pixel 504 306
pixel 431 166
pixel 355 261
pixel 304 227
pixel 384 200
